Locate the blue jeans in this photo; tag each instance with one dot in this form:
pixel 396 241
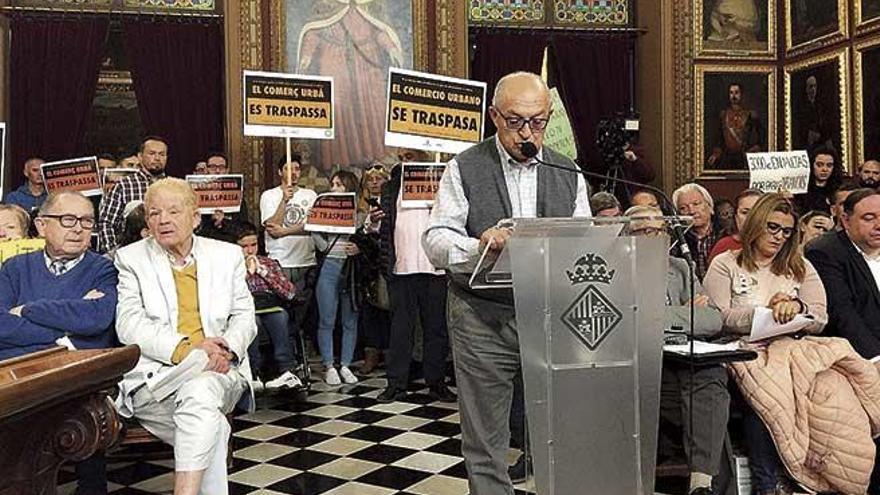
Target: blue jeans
pixel 276 325
pixel 333 294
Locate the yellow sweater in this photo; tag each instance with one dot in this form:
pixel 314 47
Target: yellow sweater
pixel 189 322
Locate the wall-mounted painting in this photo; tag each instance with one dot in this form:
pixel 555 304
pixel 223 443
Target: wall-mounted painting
pixel 735 28
pixel 867 101
pixel 355 43
pixel 735 109
pixel 813 24
pixel 817 104
pixel 867 15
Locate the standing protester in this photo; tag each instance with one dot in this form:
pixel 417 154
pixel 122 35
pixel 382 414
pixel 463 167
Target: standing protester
pixel 32 193
pixel 826 176
pixel 219 225
pixel 153 156
pixel 375 317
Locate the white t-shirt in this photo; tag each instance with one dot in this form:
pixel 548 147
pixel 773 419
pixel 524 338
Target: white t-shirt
pixel 291 251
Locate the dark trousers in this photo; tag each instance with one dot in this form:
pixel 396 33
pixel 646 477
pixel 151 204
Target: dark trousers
pixel 411 295
pixel 91 475
pixel 764 460
pixel 703 440
pixel 874 486
pixel 375 327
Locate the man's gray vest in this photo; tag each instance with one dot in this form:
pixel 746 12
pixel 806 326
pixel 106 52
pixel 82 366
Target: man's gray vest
pixel 482 180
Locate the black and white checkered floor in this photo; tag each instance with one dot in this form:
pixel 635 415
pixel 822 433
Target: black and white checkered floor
pixel 338 441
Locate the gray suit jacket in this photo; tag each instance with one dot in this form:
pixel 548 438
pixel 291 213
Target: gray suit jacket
pixel 707 319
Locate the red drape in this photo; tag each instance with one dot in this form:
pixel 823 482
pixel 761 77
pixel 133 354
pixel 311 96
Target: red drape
pixel 54 65
pixel 592 74
pixel 178 74
pixel 498 53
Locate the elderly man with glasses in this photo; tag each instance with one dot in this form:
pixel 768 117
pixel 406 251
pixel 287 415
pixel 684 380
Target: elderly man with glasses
pixel 64 294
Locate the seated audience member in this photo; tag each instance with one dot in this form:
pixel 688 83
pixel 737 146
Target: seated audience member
pixel 724 215
pixel 743 204
pixel 181 297
pixel 272 291
pixel 826 176
pixel 14 222
pixel 32 193
pixel 769 271
pixel 219 225
pixel 335 295
pixel 708 384
pixel 417 293
pixel 695 200
pixel 813 225
pixel 848 261
pixel 135 226
pixel 869 174
pixel 64 294
pixel 605 204
pixel 840 196
pixel 644 197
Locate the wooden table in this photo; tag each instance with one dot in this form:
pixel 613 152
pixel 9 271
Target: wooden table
pixel 55 407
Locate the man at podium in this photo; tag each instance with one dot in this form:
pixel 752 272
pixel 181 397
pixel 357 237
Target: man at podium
pixel 501 182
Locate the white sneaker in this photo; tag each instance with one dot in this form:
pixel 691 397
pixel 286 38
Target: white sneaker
pixel 347 376
pixel 331 377
pixel 286 380
pixel 257 385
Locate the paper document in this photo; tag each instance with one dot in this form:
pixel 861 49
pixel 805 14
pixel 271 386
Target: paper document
pixel 166 383
pixel 764 326
pixel 701 347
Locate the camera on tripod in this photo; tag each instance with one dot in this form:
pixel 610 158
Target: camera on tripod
pixel 612 137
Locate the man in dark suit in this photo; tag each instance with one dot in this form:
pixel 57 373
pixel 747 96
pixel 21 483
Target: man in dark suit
pixel 848 262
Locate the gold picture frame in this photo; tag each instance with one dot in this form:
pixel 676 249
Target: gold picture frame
pixel 865 22
pixel 712 82
pixel 830 69
pixel 705 48
pixel 797 43
pixel 865 107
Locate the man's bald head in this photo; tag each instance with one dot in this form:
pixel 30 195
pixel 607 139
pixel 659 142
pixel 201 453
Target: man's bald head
pixel 519 85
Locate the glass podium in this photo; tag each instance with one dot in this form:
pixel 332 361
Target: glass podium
pixel 590 300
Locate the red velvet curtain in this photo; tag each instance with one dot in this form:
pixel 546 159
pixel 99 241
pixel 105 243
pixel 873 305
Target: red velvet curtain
pixel 54 65
pixel 500 52
pixel 592 73
pixel 178 74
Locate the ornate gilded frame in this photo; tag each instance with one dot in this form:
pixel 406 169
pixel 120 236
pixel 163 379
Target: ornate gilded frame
pixel 769 52
pixel 821 42
pixel 700 72
pixel 841 56
pixel 861 25
pixel 859 99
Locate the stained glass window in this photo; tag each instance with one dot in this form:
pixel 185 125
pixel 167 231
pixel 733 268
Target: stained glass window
pixel 592 12
pixel 505 11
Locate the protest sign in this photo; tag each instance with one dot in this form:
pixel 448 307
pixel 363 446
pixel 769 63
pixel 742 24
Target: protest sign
pixel 333 213
pixel 76 174
pixel 559 134
pixel 217 192
pixel 2 158
pixel 288 105
pixel 779 170
pixel 433 113
pixel 111 176
pixel 419 183
pixel 8 249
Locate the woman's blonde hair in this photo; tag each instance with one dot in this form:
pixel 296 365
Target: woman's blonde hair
pixel 375 169
pixel 789 261
pixel 21 216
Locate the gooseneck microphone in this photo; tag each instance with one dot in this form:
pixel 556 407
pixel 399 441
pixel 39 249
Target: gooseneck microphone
pixel 529 150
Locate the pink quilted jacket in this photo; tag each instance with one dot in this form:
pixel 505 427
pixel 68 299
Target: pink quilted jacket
pixel 821 403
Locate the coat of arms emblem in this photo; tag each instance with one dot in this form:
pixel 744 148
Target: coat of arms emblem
pixel 591 316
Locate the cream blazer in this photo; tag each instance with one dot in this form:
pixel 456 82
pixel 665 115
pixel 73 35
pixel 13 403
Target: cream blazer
pixel 146 313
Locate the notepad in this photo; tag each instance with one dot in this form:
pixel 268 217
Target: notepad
pixel 764 326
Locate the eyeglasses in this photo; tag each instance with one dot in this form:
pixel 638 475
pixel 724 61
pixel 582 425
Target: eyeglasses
pixel 515 123
pixel 69 221
pixel 774 228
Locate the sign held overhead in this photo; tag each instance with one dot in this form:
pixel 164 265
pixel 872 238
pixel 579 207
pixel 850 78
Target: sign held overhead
pixel 288 105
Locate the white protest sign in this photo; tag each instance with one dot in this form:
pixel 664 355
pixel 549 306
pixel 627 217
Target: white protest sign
pixel 779 170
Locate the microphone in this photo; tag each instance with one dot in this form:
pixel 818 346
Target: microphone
pixel 529 150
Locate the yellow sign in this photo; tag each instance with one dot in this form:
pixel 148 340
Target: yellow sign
pixel 288 105
pixel 8 249
pixel 433 113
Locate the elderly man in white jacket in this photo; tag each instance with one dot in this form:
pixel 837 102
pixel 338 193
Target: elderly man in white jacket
pixel 184 300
